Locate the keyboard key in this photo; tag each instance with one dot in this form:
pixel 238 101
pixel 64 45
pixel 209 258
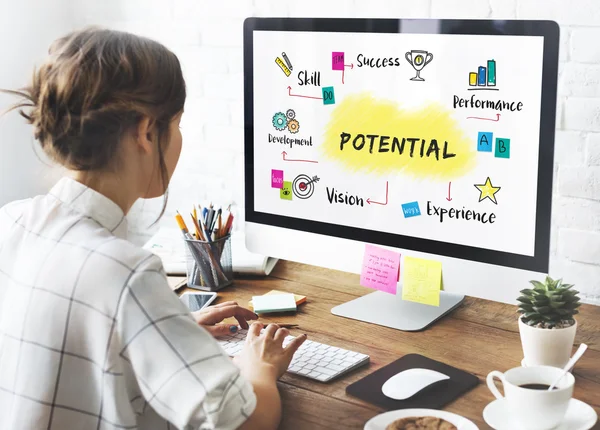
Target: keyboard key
pixel 326 371
pixel 314 374
pixel 323 378
pixel 304 371
pixel 337 361
pixel 335 368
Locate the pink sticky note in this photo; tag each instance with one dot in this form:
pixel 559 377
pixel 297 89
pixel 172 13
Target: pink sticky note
pixel 337 61
pixel 380 269
pixel 276 178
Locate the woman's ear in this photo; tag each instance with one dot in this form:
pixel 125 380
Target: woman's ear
pixel 145 135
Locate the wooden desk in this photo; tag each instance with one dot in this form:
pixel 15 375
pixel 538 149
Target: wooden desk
pixel 479 337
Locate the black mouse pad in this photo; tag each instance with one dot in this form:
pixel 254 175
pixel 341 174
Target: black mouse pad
pixel 433 397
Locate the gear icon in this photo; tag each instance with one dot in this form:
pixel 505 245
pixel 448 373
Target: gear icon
pixel 280 121
pixel 293 126
pixel 290 114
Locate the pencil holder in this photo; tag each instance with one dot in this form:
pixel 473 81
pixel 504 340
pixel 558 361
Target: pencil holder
pixel 208 264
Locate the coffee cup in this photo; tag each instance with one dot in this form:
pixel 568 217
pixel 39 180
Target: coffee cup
pixel 529 404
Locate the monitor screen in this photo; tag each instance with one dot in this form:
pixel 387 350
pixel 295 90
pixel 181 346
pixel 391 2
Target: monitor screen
pixel 430 140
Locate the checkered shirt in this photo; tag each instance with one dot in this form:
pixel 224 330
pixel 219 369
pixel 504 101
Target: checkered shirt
pixel 91 336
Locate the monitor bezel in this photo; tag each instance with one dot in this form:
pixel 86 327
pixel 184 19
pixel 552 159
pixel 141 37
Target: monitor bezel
pixel 549 30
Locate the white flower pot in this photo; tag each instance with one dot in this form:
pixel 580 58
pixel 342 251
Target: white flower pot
pixel 546 347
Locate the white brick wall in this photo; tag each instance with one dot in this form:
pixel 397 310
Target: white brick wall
pixel 207 36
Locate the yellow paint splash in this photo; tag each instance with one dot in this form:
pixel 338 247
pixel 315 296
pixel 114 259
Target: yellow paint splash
pixel 363 114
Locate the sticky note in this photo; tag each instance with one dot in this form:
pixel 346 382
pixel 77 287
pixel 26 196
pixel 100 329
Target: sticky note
pixel 380 269
pixel 286 190
pixel 276 178
pixel 328 96
pixel 274 303
pixel 502 148
pixel 411 209
pixel 484 141
pixel 297 297
pixel 421 281
pixel 337 61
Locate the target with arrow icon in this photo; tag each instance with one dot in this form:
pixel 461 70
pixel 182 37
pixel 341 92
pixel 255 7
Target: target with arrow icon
pixel 304 186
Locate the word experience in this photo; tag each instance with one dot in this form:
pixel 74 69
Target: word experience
pixel 424 148
pixel 466 214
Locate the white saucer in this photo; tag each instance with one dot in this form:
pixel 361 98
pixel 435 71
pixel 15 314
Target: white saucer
pixel 579 416
pixel 381 421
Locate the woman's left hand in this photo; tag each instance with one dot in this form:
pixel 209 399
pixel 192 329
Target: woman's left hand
pixel 210 318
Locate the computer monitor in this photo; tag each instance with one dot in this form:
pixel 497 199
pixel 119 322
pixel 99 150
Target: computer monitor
pixel 432 138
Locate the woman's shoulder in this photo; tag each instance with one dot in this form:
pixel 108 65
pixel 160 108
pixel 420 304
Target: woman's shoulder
pixel 131 255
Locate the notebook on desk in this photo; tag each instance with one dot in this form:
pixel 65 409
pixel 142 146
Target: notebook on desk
pixel 170 247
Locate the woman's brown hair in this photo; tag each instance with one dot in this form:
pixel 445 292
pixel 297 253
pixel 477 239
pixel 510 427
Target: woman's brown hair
pixel 96 85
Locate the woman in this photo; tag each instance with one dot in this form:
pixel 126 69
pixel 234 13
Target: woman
pixel 91 336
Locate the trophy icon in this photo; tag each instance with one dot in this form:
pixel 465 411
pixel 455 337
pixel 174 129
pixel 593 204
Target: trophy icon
pixel 418 59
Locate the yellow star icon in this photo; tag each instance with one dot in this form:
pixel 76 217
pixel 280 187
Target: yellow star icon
pixel 487 191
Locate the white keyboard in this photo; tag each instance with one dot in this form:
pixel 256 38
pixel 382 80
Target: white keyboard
pixel 313 360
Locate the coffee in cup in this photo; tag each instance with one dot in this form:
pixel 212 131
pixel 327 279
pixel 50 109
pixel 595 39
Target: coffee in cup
pixel 529 404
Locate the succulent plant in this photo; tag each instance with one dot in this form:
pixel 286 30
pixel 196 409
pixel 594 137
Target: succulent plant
pixel 550 304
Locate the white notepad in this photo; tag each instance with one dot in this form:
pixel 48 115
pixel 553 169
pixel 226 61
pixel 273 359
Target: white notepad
pixel 274 303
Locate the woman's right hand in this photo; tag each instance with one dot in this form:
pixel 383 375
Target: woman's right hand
pixel 263 354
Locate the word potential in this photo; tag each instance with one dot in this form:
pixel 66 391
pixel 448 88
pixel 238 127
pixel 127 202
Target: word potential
pixel 424 148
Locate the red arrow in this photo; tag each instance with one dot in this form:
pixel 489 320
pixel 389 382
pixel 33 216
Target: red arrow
pixel 369 201
pixel 486 119
pixel 449 198
pixel 343 70
pixel 304 161
pixel 306 97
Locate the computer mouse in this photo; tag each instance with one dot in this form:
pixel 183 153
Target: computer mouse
pixel 409 382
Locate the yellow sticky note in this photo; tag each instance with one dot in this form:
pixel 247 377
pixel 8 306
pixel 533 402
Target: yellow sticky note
pixel 421 281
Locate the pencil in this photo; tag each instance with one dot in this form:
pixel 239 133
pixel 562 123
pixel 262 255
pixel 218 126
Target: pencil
pixel 219 223
pixel 225 222
pixel 229 224
pixel 182 226
pixel 199 234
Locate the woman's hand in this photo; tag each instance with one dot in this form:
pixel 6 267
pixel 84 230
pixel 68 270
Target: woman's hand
pixel 263 355
pixel 211 317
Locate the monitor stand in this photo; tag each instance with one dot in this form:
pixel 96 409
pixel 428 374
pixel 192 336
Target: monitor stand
pixel 391 311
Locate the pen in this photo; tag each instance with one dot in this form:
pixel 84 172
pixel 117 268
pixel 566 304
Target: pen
pixel 209 218
pixel 205 230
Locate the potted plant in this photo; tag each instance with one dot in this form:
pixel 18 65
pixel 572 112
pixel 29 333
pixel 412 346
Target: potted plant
pixel 547 324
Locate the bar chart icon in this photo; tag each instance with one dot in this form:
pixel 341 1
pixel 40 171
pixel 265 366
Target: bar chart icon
pixel 484 78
